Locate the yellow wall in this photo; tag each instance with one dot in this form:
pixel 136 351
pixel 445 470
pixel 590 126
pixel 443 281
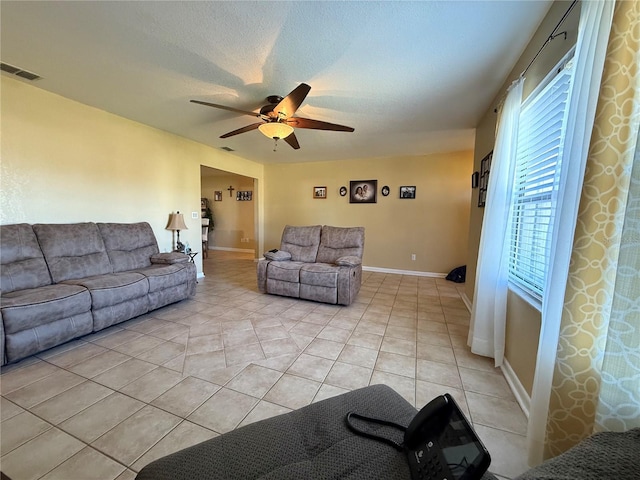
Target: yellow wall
pixel 433 226
pixel 233 219
pixel 63 161
pixel 523 321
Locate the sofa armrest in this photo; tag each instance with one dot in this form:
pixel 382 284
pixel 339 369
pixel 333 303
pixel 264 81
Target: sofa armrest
pixel 169 258
pixel 349 261
pixel 278 255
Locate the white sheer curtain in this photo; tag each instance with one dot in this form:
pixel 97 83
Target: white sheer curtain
pixel 593 35
pixel 488 313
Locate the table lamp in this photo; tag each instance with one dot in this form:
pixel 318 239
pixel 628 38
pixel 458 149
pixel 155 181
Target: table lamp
pixel 176 223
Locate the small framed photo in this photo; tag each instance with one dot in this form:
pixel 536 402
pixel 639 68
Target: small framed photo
pixel 385 191
pixel 474 179
pixel 408 191
pixel 319 192
pixel 244 195
pixel 217 196
pixel 363 191
pixel 343 191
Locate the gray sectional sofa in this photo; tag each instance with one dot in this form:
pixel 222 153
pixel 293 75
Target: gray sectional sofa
pixel 319 263
pixel 62 281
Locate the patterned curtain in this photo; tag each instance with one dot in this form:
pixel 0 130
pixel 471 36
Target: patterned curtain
pixel 596 381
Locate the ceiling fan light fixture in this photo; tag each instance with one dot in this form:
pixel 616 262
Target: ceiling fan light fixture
pixel 276 130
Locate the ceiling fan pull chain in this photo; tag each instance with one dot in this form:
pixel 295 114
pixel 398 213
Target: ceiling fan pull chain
pixel 275 143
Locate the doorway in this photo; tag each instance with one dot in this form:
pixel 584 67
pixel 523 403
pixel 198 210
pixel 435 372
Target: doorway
pixel 232 199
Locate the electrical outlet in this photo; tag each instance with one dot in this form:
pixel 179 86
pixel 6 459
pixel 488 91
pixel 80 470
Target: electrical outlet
pixel 413 256
pixel 194 215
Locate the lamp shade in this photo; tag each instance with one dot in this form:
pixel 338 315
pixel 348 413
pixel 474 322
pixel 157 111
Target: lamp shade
pixel 176 222
pixel 276 129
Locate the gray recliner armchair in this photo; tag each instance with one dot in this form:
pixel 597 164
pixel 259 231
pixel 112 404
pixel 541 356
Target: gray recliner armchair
pixel 319 263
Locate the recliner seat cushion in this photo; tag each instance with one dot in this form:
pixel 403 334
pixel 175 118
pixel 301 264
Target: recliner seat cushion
pixel 285 271
pixel 73 250
pixel 32 307
pixel 114 288
pixel 162 276
pixel 319 274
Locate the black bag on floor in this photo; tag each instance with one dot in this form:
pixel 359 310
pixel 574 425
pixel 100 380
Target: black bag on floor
pixel 458 274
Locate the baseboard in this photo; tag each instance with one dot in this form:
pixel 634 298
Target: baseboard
pixel 229 249
pixel 404 272
pixel 466 301
pixel 522 397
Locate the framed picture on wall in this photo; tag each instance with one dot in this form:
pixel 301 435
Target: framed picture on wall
pixel 217 196
pixel 363 191
pixel 319 192
pixel 244 195
pixel 407 191
pixel 485 168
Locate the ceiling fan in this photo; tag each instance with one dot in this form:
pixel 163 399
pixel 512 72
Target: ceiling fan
pixel 277 117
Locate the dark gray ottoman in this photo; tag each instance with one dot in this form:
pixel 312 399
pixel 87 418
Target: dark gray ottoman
pixel 310 443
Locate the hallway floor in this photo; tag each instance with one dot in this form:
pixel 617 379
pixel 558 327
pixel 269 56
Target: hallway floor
pixel 105 405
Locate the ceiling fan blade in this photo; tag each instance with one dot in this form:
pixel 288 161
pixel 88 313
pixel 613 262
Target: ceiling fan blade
pixel 248 128
pixel 299 122
pixel 231 109
pixel 292 140
pixel 291 102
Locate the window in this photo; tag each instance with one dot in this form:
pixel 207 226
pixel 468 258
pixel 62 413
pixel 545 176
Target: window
pixel 538 162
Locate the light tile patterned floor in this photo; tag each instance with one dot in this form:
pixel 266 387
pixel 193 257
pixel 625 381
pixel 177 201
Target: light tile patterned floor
pixel 105 405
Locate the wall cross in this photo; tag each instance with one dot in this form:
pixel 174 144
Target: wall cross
pixel 231 189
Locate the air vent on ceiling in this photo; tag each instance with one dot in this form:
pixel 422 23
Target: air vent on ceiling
pixel 228 149
pixel 5 67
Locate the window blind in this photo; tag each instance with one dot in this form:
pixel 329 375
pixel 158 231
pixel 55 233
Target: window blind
pixel 538 162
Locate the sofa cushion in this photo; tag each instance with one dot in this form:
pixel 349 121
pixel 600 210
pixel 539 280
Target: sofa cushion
pixel 73 250
pixel 319 274
pixel 301 242
pixel 129 245
pixel 285 271
pixel 113 288
pixel 166 276
pixel 29 308
pixel 336 242
pixel 21 262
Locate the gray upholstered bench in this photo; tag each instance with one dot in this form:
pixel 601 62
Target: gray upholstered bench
pixel 310 443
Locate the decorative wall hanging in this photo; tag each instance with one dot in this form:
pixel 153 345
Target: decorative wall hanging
pixel 217 196
pixel 244 195
pixel 408 191
pixel 485 168
pixel 319 192
pixel 343 191
pixel 385 190
pixel 363 191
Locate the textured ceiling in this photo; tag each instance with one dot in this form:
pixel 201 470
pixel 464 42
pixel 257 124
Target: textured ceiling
pixel 410 77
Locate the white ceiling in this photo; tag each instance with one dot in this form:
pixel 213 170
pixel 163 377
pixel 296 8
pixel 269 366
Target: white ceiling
pixel 411 77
